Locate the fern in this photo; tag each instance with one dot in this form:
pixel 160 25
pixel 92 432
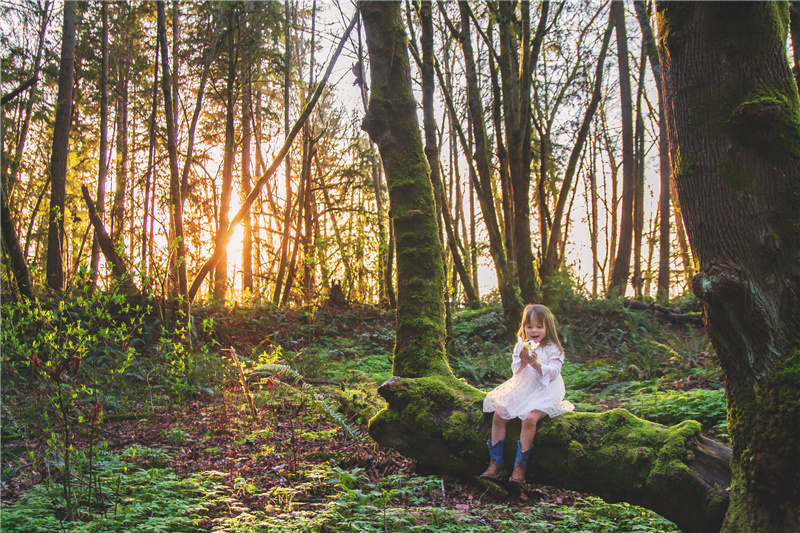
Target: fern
pixel 318 400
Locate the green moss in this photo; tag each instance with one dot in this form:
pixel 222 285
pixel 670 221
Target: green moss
pixel 683 161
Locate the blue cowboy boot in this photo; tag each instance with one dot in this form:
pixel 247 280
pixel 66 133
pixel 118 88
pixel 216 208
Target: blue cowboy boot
pixel 496 468
pixel 520 465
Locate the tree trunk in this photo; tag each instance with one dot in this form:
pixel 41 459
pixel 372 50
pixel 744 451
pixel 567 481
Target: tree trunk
pixel 149 184
pixel 60 150
pixel 622 263
pixel 287 214
pixel 18 263
pixel 247 227
pixel 392 125
pixel 482 180
pixel 107 246
pixel 643 14
pixel 102 166
pixel 121 169
pixel 516 75
pixel 735 150
pixel 223 240
pixel 178 261
pixel 432 148
pixel 638 184
pixel 221 271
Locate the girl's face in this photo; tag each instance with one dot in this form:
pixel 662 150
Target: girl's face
pixel 535 330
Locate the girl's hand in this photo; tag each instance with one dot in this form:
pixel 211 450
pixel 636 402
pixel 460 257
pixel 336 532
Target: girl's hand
pixel 527 356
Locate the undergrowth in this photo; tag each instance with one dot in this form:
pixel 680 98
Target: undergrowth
pixel 302 461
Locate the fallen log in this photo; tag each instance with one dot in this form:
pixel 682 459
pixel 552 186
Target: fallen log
pixel 665 313
pixel 674 471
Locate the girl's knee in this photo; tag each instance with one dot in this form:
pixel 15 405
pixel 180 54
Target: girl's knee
pixel 497 418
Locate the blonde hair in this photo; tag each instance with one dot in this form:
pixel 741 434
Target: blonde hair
pixel 545 316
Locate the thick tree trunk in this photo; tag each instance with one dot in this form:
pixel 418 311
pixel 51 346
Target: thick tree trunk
pixel 392 125
pixel 60 150
pixel 733 117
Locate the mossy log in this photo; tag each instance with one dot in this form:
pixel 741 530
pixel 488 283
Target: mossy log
pixel 674 471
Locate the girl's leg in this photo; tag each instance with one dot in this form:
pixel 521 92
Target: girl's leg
pixel 496 468
pixel 528 432
pixel 525 446
pixel 499 428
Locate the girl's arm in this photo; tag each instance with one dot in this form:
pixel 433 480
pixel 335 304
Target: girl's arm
pixel 516 363
pixel 552 368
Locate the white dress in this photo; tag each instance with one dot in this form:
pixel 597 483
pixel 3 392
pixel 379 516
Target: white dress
pixel 528 390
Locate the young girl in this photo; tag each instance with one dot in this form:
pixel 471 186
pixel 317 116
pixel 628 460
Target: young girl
pixel 535 390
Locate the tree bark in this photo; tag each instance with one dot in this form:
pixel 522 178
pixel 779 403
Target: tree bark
pixel 622 263
pixel 733 117
pixel 60 150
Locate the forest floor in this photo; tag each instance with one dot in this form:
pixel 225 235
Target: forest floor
pixel 305 461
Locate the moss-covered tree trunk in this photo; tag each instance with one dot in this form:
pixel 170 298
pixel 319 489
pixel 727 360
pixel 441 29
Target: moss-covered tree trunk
pixel 391 122
pixel 437 419
pixel 733 118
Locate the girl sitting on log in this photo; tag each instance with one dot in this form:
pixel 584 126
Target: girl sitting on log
pixel 535 390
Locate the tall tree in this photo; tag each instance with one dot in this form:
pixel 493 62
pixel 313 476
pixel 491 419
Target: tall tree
pixel 735 151
pixel 665 172
pixel 622 263
pixel 124 56
pixel 102 165
pixel 395 130
pixel 60 150
pixel 432 148
pixel 177 242
pixel 552 256
pixel 221 271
